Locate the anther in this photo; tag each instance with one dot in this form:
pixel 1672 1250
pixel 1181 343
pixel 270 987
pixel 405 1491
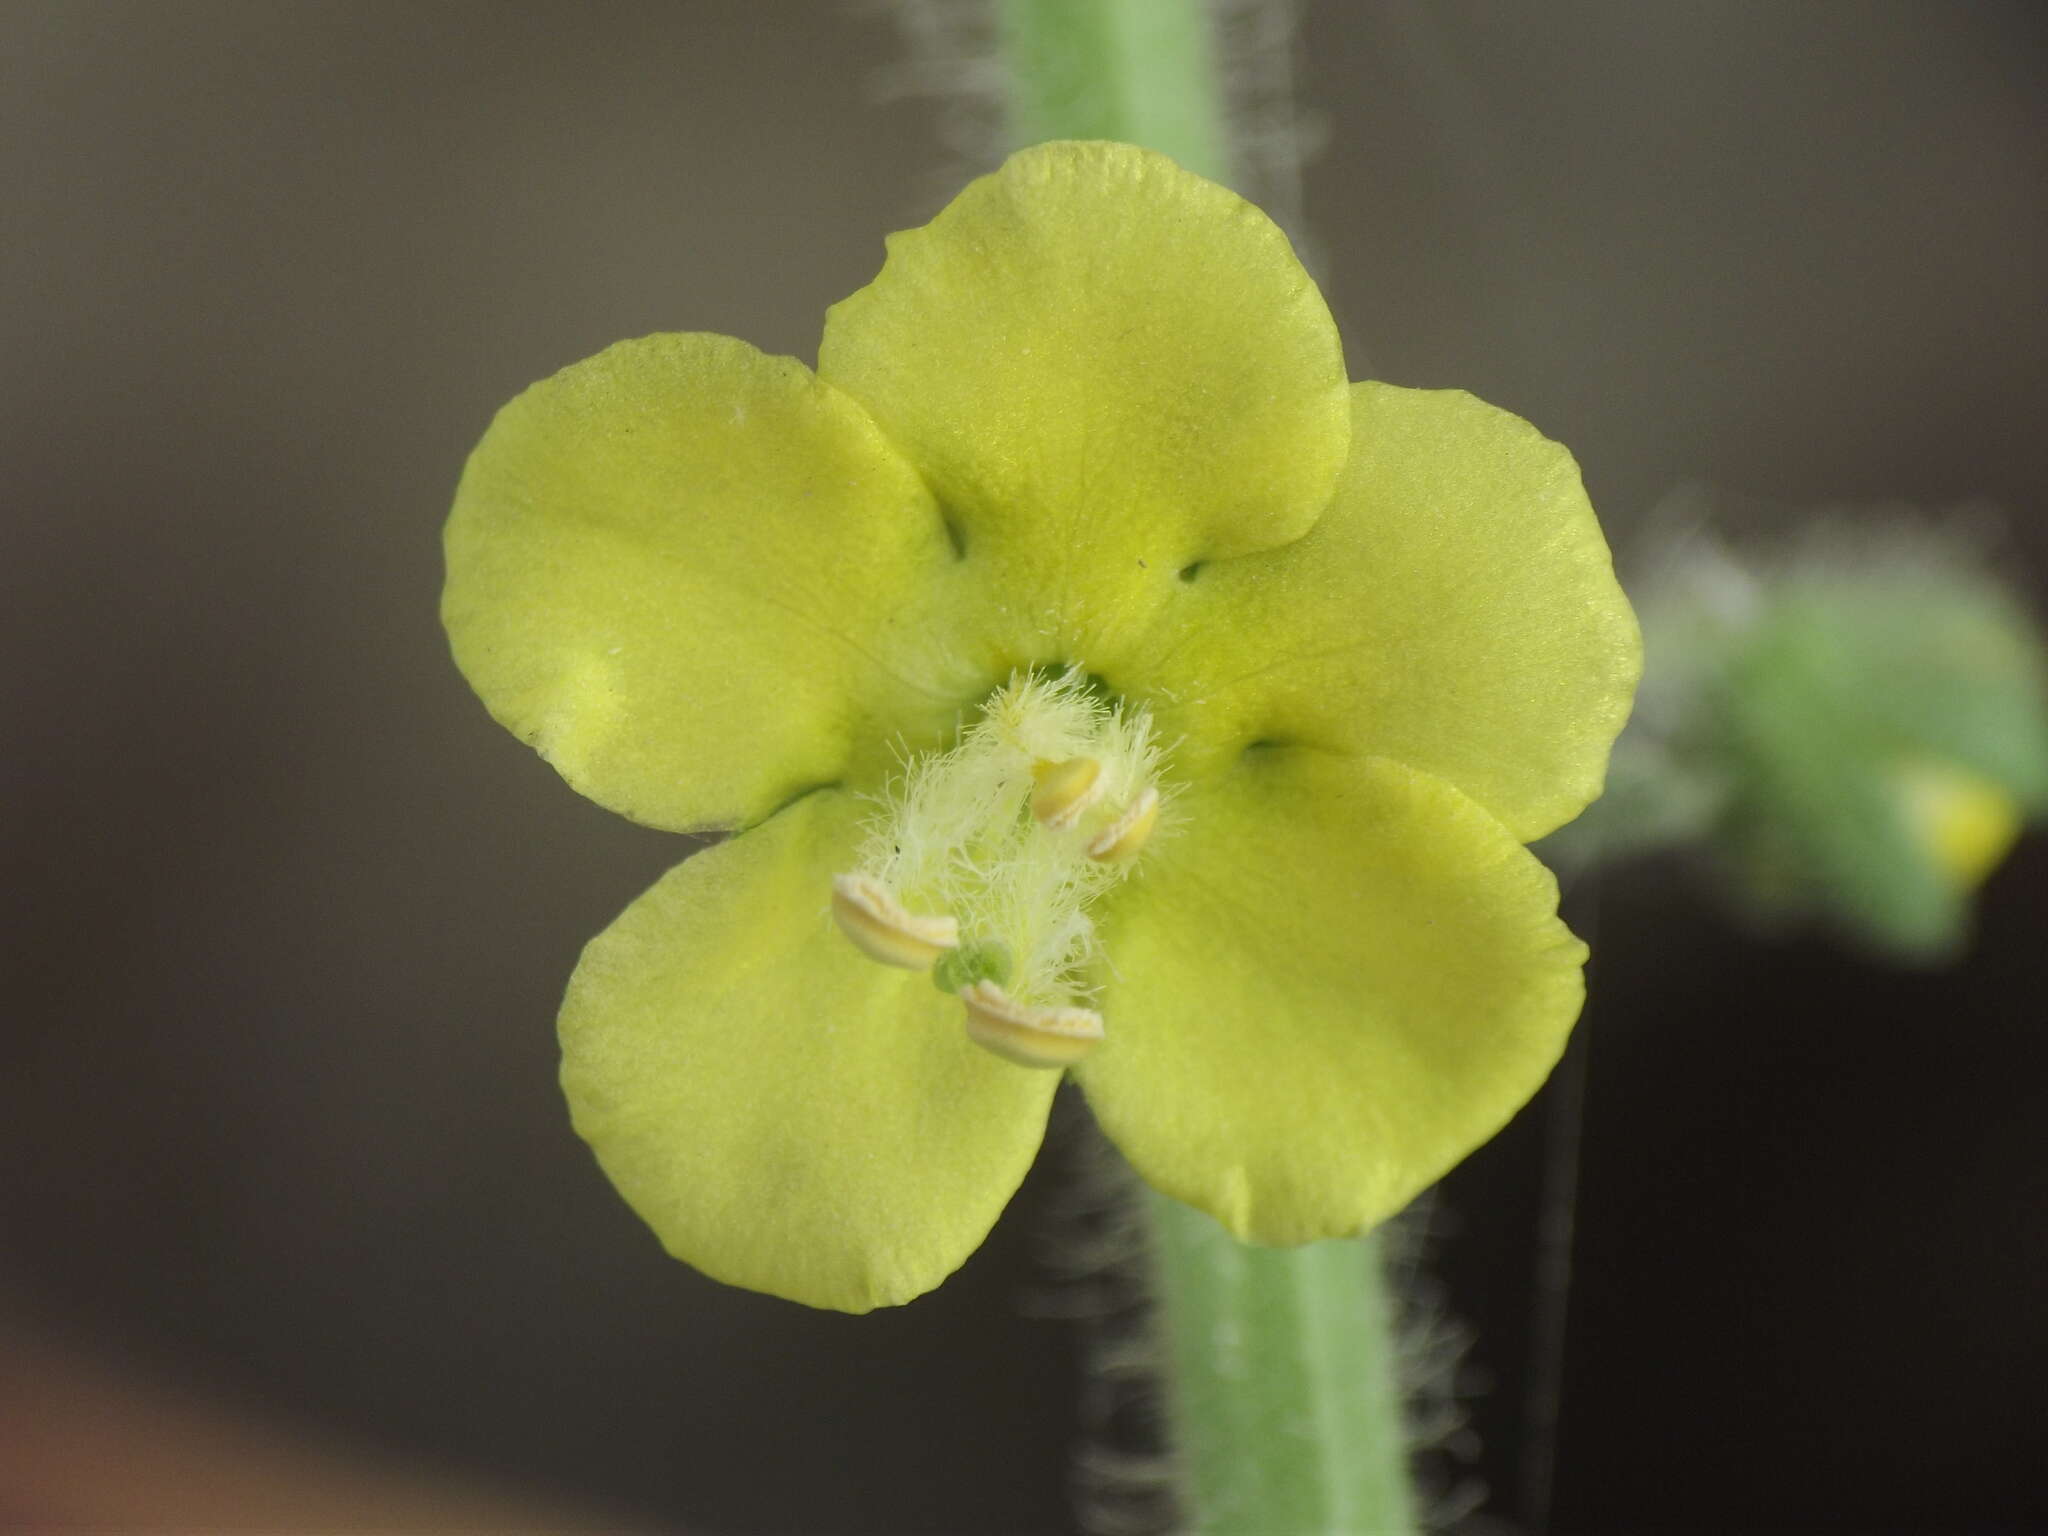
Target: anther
pixel 1064 790
pixel 1029 1036
pixel 1119 842
pixel 882 930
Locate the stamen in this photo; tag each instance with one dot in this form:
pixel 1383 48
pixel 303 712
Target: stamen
pixel 1119 842
pixel 882 930
pixel 1064 790
pixel 1014 832
pixel 1029 1036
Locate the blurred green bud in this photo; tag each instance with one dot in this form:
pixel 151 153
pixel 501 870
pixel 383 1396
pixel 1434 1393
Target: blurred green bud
pixel 1855 727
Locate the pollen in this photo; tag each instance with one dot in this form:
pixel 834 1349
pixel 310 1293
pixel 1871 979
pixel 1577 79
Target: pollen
pixel 1123 839
pixel 1064 790
pixel 883 930
pixel 1030 1036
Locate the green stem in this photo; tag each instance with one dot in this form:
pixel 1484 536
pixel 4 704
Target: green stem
pixel 1137 70
pixel 1285 1402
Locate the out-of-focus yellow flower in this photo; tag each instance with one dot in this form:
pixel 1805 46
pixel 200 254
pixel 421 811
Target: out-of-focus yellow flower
pixel 1966 823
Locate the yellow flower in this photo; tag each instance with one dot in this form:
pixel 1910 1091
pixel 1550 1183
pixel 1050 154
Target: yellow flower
pixel 1078 477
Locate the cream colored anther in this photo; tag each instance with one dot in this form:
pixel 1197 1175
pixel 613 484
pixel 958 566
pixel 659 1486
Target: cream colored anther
pixel 1119 842
pixel 1063 790
pixel 1027 1035
pixel 882 930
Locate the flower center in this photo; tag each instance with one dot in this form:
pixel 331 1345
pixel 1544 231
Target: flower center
pixel 981 863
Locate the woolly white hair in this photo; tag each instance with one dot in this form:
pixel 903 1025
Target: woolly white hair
pixel 954 832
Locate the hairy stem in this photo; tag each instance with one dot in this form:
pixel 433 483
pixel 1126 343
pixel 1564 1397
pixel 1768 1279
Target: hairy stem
pixel 1280 1362
pixel 1284 1396
pixel 1137 70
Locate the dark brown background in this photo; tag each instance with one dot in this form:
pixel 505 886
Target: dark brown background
pixel 287 917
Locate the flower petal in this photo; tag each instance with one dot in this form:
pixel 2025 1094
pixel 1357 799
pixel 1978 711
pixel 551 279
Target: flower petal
pixel 1337 978
pixel 680 569
pixel 1109 369
pixel 1455 609
pixel 785 1113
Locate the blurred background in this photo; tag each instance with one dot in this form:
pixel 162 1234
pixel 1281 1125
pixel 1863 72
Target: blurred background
pixel 295 1230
